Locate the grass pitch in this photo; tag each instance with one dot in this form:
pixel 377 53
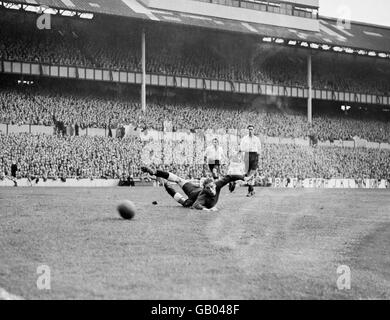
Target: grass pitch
pixel 281 244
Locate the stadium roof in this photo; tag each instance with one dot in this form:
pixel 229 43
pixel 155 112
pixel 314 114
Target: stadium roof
pixel 358 36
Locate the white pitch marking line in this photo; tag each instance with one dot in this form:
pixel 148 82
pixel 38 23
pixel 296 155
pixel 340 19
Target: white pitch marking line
pixel 4 295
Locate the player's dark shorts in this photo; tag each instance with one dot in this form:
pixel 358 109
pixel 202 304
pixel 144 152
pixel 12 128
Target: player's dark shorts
pixel 215 164
pixel 191 190
pixel 251 161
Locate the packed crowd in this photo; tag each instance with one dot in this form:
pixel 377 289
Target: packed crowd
pixel 187 53
pixel 289 161
pixel 53 157
pixel 40 107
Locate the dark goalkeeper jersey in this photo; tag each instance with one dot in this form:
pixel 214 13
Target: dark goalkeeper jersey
pixel 205 200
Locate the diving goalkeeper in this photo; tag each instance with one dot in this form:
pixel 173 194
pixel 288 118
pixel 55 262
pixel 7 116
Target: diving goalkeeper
pixel 203 197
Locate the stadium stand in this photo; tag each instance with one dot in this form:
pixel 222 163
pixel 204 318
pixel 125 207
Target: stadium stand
pixel 360 35
pixel 286 161
pixel 185 52
pixel 44 106
pixel 53 157
pixel 170 51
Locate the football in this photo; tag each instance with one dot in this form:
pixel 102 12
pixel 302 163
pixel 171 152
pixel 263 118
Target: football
pixel 126 209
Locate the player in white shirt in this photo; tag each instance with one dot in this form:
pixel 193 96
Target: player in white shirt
pixel 251 147
pixel 213 158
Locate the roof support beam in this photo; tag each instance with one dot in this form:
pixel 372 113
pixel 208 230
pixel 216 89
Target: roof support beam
pixel 310 86
pixel 143 87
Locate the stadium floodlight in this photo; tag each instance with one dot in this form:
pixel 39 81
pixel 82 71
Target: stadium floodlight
pixel 39 9
pixel 304 44
pixel 382 55
pixel 362 52
pixel 267 39
pixel 67 13
pixel 50 11
pixel 12 6
pixel 337 49
pixel 25 82
pixel 349 50
pixel 326 47
pixel 372 54
pixel 278 40
pixel 314 46
pixel 86 16
pixel 32 9
pixel 292 43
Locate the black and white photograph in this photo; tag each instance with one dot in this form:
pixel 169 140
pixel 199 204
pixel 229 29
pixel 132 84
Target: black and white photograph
pixel 218 151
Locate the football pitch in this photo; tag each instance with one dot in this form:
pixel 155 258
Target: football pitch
pixel 281 244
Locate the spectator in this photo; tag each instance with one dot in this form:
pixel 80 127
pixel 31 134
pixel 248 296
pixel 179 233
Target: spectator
pixel 193 53
pixel 56 157
pixel 36 106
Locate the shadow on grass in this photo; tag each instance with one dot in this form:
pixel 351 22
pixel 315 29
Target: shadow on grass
pixel 113 220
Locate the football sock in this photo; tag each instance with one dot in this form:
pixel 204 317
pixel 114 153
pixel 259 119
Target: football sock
pixel 175 195
pixel 179 198
pixel 170 190
pixel 173 178
pixel 162 174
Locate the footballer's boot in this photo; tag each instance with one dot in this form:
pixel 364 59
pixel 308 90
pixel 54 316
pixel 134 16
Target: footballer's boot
pixel 147 170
